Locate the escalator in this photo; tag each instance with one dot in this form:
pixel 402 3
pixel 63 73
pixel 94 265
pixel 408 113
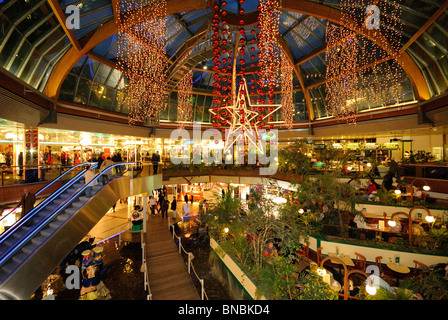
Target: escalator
pixel 33 247
pixel 49 186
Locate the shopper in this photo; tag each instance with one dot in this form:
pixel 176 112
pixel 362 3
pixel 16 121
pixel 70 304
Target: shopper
pixel 155 162
pixel 165 206
pixel 88 176
pixel 27 203
pixel 160 202
pixel 174 207
pixel 100 160
pixel 186 209
pixel 152 205
pixel 108 173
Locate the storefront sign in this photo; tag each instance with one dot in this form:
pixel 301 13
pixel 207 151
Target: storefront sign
pixel 390 146
pixel 337 146
pixel 319 146
pixel 371 146
pixel 352 146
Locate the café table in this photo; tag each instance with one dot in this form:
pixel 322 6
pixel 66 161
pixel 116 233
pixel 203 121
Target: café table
pixel 345 258
pixel 398 269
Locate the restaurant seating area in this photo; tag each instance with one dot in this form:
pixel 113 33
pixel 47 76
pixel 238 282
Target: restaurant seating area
pixel 355 271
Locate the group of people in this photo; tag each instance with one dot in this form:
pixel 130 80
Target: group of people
pixel 159 201
pixel 388 184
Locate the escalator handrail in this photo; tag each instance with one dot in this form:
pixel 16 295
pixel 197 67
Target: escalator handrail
pixel 41 205
pixel 92 164
pixel 4 257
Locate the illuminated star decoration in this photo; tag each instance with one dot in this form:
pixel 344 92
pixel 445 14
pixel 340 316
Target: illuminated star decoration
pixel 246 118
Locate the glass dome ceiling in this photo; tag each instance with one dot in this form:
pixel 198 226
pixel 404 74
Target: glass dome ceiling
pixel 80 66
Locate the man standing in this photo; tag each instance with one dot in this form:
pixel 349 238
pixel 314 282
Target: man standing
pixel 27 202
pixel 165 206
pixel 88 176
pixel 100 160
pixel 108 173
pixel 155 162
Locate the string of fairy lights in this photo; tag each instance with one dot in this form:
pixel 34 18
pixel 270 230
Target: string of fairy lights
pixel 357 68
pixel 142 56
pixel 184 96
pixel 353 74
pixel 287 76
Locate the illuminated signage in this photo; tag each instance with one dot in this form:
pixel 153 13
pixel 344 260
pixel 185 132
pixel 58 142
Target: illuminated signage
pixel 390 146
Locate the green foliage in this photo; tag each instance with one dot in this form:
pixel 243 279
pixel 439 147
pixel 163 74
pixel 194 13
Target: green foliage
pixel 314 287
pixel 432 286
pixel 277 280
pixel 224 212
pixel 396 294
pixel 326 194
pixel 293 159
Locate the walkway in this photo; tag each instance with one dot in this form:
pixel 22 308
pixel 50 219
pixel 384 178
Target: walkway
pixel 168 275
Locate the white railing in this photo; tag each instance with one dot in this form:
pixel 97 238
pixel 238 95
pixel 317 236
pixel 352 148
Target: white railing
pixel 145 267
pixel 190 265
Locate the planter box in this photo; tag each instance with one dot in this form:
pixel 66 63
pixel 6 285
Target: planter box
pixel 240 285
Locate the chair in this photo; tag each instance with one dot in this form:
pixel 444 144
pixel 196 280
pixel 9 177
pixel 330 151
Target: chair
pixel 385 273
pixel 319 255
pixel 378 262
pixel 304 252
pixel 419 268
pixel 360 263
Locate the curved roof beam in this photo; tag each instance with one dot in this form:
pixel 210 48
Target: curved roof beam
pixel 175 6
pixel 105 31
pixel 334 15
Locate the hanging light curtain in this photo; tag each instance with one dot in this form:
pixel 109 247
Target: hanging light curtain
pixel 142 56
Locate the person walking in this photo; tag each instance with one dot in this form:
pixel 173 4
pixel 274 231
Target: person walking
pixel 174 208
pixel 165 206
pixel 160 203
pixel 152 205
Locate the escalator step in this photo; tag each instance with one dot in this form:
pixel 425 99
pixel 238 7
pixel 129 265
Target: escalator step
pixel 72 210
pixel 47 232
pixel 78 204
pixel 8 243
pixel 38 240
pixel 20 257
pixel 28 249
pixel 63 217
pixel 55 224
pixel 19 234
pixel 9 267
